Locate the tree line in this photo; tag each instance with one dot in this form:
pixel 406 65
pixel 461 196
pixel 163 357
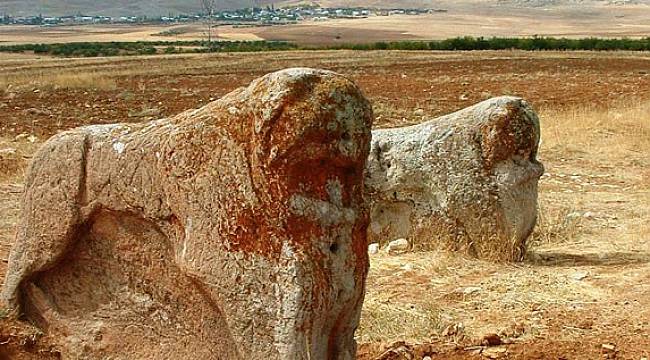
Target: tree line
pixel 502 43
pixel 94 49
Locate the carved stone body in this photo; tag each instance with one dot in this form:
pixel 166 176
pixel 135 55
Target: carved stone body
pixel 237 230
pixel 466 181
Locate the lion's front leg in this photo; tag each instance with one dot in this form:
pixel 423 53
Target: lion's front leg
pixel 50 213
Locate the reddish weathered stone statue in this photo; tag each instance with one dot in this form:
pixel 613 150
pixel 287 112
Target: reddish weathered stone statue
pixel 234 231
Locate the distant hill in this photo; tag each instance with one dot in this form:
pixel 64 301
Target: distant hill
pixel 166 7
pixel 112 7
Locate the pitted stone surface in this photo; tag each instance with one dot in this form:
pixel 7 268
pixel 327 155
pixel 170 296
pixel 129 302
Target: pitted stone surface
pixel 466 181
pixel 237 230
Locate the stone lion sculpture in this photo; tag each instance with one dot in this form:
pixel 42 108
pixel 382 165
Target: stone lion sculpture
pixel 237 230
pixel 466 181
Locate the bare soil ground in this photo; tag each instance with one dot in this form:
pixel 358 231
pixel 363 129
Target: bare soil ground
pixel 46 95
pixel 582 293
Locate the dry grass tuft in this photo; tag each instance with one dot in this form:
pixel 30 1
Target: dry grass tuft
pixel 555 225
pixel 55 81
pixel 80 81
pixel 10 163
pixel 385 320
pixel 14 158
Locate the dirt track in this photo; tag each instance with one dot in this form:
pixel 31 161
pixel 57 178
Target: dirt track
pixel 585 283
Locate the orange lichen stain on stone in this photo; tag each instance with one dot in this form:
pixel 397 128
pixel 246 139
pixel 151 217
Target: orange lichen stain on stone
pixel 507 135
pixel 360 245
pixel 253 235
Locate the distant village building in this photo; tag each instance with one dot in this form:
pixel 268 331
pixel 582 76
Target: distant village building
pixel 268 15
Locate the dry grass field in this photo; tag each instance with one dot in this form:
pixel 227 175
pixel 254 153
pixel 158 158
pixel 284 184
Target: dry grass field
pixel 487 21
pixel 29 34
pixel 583 291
